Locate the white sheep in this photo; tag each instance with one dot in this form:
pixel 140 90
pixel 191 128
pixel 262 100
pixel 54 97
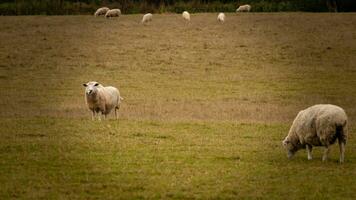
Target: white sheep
pixel 318 125
pixel 244 8
pixel 186 15
pixel 146 18
pixel 113 13
pixel 101 11
pixel 102 99
pixel 221 17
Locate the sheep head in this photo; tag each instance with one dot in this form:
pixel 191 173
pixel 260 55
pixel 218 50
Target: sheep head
pixel 91 88
pixel 290 147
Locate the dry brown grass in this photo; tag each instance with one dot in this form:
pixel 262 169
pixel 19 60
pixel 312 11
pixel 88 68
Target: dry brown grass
pixel 255 67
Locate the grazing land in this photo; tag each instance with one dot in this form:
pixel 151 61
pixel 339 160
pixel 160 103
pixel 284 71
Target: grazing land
pixel 206 106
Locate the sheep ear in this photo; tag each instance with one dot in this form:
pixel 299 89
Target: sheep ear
pixel 85 85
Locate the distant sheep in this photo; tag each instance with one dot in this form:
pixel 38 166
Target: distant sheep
pixel 318 125
pixel 244 8
pixel 146 18
pixel 113 13
pixel 101 11
pixel 221 17
pixel 186 15
pixel 102 99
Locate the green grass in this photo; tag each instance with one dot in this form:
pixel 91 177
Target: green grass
pixel 206 106
pixel 46 158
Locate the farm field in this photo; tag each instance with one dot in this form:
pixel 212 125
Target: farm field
pixel 206 106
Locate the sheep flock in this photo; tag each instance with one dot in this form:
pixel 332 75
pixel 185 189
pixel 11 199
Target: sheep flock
pixel 109 13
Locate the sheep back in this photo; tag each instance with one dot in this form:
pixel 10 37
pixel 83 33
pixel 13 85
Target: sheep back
pixel 147 17
pixel 109 97
pixel 221 17
pixel 101 11
pixel 244 8
pixel 113 13
pixel 186 15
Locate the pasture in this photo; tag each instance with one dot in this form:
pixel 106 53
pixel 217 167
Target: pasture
pixel 206 106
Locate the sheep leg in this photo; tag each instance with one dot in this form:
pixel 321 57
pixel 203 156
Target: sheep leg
pixel 309 151
pixel 103 113
pixel 116 113
pixel 342 150
pixel 326 153
pixel 117 108
pixel 99 116
pixel 93 115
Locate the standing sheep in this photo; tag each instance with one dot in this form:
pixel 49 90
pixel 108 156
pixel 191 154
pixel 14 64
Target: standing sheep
pixel 318 125
pixel 101 11
pixel 113 13
pixel 102 99
pixel 186 15
pixel 221 17
pixel 244 8
pixel 146 18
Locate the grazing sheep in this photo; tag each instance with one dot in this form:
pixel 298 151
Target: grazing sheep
pixel 244 8
pixel 102 99
pixel 186 15
pixel 318 125
pixel 146 18
pixel 113 13
pixel 221 17
pixel 101 11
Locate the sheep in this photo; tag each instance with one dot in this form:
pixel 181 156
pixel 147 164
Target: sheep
pixel 146 18
pixel 113 13
pixel 186 15
pixel 100 99
pixel 101 11
pixel 318 125
pixel 221 17
pixel 244 8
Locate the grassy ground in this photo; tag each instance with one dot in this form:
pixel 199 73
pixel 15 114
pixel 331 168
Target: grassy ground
pixel 206 106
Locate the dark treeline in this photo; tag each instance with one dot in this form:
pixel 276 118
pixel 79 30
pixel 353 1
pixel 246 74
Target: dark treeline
pixel 63 7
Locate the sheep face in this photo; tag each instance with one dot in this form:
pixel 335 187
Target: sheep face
pixel 291 149
pixel 91 88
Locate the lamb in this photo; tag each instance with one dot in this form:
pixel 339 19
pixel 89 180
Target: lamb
pixel 146 18
pixel 101 11
pixel 244 8
pixel 186 15
pixel 113 13
pixel 221 17
pixel 318 125
pixel 102 99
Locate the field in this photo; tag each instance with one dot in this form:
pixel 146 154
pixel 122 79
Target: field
pixel 205 109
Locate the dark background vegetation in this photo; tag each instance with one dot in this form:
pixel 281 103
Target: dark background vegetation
pixel 63 7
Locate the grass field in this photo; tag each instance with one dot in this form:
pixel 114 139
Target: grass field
pixel 206 106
